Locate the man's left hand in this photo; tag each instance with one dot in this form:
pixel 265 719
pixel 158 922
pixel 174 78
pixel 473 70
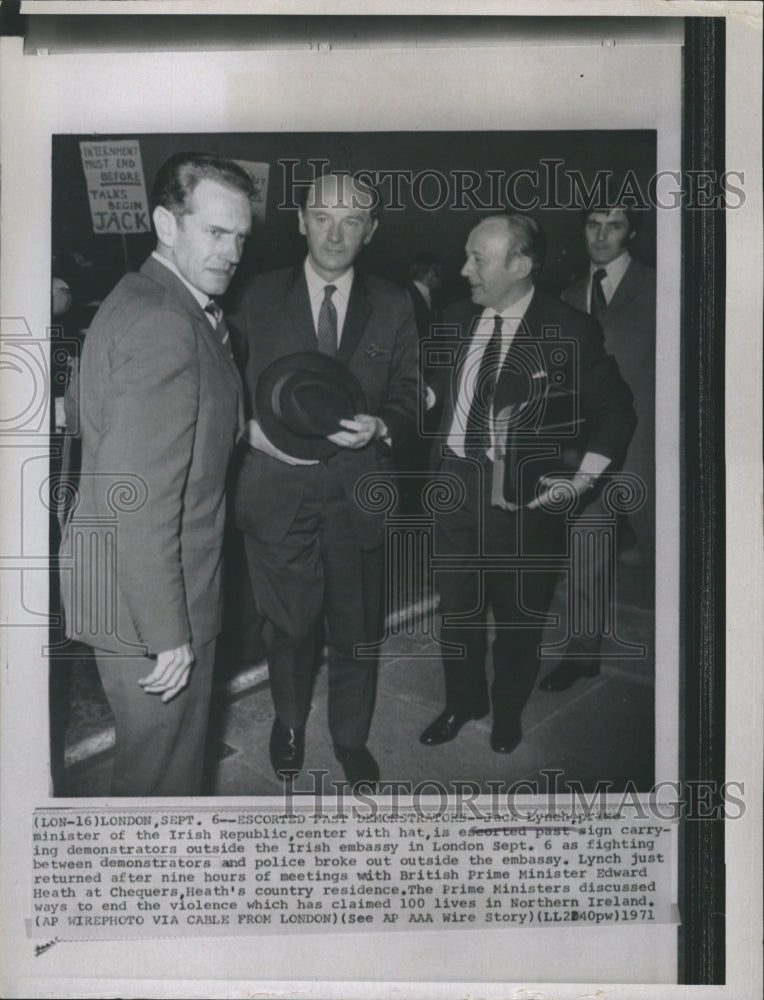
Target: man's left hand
pixel 171 673
pixel 358 431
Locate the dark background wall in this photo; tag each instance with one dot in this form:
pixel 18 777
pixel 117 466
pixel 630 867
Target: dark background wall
pixel 92 263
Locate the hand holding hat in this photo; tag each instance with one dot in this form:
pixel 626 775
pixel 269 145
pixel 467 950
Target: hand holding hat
pixel 309 405
pixel 359 431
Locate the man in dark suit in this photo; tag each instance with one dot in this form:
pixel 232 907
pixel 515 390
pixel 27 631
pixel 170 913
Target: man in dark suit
pixel 425 278
pixel 527 376
pixel 315 554
pixel 412 458
pixel 619 292
pixel 161 407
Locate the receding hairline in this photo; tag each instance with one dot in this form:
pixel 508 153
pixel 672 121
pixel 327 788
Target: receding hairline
pixel 361 195
pixel 220 183
pixel 495 222
pixel 177 179
pixel 525 236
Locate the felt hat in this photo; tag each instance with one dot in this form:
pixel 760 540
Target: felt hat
pixel 301 398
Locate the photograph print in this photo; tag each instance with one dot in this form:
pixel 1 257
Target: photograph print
pixel 356 467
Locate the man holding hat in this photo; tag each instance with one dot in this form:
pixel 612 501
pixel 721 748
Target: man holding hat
pixel 330 368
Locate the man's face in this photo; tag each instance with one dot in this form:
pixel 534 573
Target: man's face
pixel 435 279
pixel 206 244
pixel 336 225
pixel 607 234
pixel 495 273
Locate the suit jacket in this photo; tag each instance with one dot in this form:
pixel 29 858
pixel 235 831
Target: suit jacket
pixel 564 394
pixel 629 328
pixel 378 344
pixel 160 406
pixel 423 314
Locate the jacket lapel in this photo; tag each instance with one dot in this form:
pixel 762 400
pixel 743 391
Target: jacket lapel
pixel 530 324
pixel 174 286
pixel 523 372
pixel 576 294
pixel 356 318
pixel 297 302
pixel 467 324
pixel 164 276
pixel 628 288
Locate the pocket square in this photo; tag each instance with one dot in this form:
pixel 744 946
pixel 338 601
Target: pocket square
pixel 372 351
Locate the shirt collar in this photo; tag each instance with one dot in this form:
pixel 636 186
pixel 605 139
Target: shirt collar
pixel 424 291
pixel 201 297
pixel 514 312
pixel 316 283
pixel 615 269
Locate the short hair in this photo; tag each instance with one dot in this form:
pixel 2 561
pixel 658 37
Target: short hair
pixel 422 262
pixel 177 178
pixel 359 180
pixel 526 237
pixel 633 216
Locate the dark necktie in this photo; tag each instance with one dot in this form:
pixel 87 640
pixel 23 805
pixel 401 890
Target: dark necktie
pixel 327 323
pixel 478 429
pixel 599 302
pixel 214 310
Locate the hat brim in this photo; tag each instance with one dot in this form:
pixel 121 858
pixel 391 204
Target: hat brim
pixel 284 372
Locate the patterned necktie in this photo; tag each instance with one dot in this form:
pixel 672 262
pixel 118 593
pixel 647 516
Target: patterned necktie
pixel 478 429
pixel 213 309
pixel 327 323
pixel 599 302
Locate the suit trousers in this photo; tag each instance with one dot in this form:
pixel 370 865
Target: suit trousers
pixel 519 596
pixel 159 747
pixel 320 573
pixel 592 584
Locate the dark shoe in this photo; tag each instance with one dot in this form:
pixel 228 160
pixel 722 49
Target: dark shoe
pixel 447 725
pixel 287 749
pixel 506 736
pixel 567 672
pixel 359 766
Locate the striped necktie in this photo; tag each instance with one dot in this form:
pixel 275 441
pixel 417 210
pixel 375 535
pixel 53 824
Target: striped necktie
pixel 327 323
pixel 214 311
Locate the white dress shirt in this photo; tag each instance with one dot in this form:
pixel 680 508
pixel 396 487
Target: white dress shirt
pixel 424 291
pixel 592 463
pixel 470 367
pixel 614 272
pixel 340 297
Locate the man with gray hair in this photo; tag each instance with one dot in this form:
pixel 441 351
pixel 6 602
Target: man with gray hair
pixel 315 554
pixel 528 375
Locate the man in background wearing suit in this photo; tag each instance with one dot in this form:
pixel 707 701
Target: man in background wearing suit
pixel 528 373
pixel 425 277
pixel 413 457
pixel 315 556
pixel 619 292
pixel 161 407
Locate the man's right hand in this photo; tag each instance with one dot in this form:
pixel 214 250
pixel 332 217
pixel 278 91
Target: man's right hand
pixel 256 439
pixel 171 673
